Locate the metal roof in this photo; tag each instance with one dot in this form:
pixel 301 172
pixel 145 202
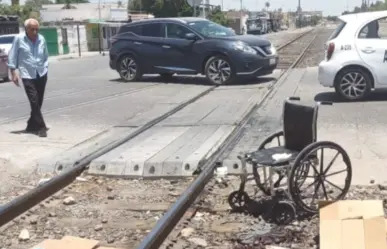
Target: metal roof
pixel 175 19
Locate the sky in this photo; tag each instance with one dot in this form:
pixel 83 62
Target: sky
pixel 329 7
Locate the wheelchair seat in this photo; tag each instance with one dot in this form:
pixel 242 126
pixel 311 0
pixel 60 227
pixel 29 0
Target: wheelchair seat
pixel 299 130
pixel 267 157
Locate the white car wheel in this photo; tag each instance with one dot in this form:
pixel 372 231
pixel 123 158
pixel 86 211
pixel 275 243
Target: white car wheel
pixel 353 84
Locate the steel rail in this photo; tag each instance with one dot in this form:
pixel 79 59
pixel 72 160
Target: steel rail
pixel 22 203
pixel 166 224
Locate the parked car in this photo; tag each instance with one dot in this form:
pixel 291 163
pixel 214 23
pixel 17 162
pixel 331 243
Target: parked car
pixel 4 65
pixel 356 55
pixel 6 42
pixel 189 46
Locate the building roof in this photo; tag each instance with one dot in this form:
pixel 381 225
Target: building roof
pixel 82 12
pixel 82 6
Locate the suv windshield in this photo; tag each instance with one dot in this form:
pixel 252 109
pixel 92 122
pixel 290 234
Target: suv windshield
pixel 208 28
pixel 6 39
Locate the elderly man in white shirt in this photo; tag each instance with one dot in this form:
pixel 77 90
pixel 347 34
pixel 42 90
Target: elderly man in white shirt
pixel 30 56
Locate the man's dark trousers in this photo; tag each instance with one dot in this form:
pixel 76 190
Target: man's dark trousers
pixel 35 92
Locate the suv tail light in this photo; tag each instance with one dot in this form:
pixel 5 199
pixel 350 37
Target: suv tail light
pixel 330 50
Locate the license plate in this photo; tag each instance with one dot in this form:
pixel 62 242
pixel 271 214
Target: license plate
pixel 272 61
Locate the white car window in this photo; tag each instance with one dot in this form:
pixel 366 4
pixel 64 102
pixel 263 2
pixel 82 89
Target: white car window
pixel 337 30
pixel 374 30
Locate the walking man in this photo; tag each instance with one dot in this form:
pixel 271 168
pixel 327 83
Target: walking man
pixel 30 56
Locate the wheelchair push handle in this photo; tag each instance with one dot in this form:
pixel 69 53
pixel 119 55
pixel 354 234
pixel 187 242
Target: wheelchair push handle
pixel 294 98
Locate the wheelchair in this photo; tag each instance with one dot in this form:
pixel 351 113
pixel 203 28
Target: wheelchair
pixel 295 159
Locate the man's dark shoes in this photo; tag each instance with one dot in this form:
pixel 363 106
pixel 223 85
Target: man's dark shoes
pixel 42 132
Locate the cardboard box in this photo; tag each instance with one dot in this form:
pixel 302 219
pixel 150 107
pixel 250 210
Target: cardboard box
pixel 352 224
pixel 69 242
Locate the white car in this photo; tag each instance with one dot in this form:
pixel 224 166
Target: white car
pixel 5 45
pixel 6 42
pixel 356 55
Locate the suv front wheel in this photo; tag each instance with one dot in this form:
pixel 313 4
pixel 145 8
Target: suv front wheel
pixel 129 69
pixel 219 70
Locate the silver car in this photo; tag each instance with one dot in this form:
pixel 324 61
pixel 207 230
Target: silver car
pixel 5 45
pixel 4 65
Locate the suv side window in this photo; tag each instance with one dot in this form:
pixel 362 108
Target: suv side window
pixel 374 30
pixel 134 29
pixel 152 30
pixel 176 31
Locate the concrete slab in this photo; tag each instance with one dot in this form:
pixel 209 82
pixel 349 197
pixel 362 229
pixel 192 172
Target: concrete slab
pixel 165 98
pixel 177 145
pixel 223 106
pixel 65 159
pixel 134 154
pixel 162 152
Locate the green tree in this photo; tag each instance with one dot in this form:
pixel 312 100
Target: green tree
pixel 219 17
pixel 315 20
pixel 24 12
pixel 162 8
pixel 68 3
pixel 267 6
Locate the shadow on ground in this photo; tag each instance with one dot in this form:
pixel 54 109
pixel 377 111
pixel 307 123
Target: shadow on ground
pixel 196 80
pixel 278 210
pixel 377 95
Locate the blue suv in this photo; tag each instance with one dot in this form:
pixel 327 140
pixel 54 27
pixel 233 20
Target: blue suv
pixel 189 45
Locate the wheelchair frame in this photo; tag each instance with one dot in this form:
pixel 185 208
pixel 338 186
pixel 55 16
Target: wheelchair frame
pixel 293 200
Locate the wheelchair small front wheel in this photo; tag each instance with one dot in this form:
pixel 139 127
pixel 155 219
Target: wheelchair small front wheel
pixel 313 172
pixel 238 200
pixel 283 213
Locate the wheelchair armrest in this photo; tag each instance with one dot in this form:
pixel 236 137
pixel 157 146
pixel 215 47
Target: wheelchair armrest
pixel 325 103
pixel 270 138
pixel 294 98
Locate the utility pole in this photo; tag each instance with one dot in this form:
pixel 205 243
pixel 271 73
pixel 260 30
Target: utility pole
pixel 299 13
pixel 241 18
pixel 99 10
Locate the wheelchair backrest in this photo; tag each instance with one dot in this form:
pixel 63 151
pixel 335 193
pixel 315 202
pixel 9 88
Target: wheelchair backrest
pixel 299 125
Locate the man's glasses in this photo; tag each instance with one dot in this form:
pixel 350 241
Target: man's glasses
pixel 34 29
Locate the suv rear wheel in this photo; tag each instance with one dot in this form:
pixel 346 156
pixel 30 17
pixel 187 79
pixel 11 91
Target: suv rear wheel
pixel 353 84
pixel 129 69
pixel 219 70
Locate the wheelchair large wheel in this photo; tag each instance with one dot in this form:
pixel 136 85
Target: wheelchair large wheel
pixel 319 171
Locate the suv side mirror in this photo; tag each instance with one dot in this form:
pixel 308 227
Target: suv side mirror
pixel 191 36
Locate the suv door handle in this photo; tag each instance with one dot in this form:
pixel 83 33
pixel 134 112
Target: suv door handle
pixel 166 46
pixel 368 50
pixel 137 43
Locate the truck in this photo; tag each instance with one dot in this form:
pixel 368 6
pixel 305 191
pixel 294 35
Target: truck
pixel 9 25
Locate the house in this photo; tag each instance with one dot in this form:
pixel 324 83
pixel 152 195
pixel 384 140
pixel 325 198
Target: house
pixel 237 20
pixel 83 12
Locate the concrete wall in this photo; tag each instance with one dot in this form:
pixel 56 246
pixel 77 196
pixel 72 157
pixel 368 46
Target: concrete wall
pixel 73 38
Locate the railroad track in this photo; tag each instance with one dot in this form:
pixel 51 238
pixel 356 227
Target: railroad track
pixel 107 195
pixel 291 51
pixel 183 212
